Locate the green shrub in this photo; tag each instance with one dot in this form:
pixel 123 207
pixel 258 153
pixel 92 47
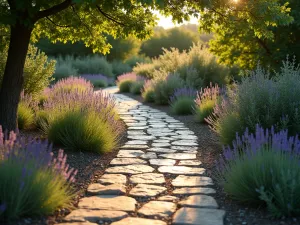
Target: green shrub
pixel 204 110
pixel 136 87
pixel 64 70
pixel 164 89
pixel 263 169
pixel 183 106
pixel 38 70
pixel 145 69
pixel 82 132
pixel 125 86
pixel 148 91
pixel 99 83
pixel 118 68
pixel 137 59
pixel 262 100
pixel 25 116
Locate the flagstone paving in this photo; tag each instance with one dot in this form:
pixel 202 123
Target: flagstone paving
pixel 155 179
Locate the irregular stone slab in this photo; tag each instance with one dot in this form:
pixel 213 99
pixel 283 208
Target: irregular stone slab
pixel 138 221
pixel 113 179
pixel 136 142
pixel 130 169
pixel 112 189
pixel 187 137
pixel 161 144
pixel 199 201
pixel 108 202
pixel 149 155
pixel 158 209
pixel 161 141
pixel 178 156
pixel 136 124
pixel 168 198
pixel 191 152
pixel 185 148
pixel 161 150
pixel 181 170
pixel 185 143
pixel 134 147
pixel 175 126
pixel 193 191
pixel 139 118
pixel 185 132
pixel 148 178
pixel 146 190
pixel 126 161
pixel 135 132
pixel 158 125
pixel 78 223
pixel 87 215
pixel 129 153
pixel 192 216
pixel 162 162
pixel 137 128
pixel 189 163
pixel 141 137
pixel 191 181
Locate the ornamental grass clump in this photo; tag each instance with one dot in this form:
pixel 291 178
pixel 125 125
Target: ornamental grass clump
pixel 182 101
pixel 263 168
pixel 26 111
pixel 136 87
pixel 261 98
pixel 125 81
pixel 33 181
pixel 206 101
pixel 81 120
pixel 148 91
pixel 71 84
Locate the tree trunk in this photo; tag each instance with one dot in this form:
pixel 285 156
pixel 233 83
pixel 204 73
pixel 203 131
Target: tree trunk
pixel 13 79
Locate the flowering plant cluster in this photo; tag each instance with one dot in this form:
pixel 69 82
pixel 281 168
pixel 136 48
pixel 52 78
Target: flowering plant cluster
pixel 186 92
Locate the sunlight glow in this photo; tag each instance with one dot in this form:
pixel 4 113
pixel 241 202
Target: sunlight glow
pixel 166 22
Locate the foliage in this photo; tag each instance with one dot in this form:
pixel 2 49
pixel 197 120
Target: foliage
pixel 33 181
pixel 82 131
pixel 25 116
pixel 262 100
pixel 136 87
pixel 183 92
pixel 206 100
pixel 146 69
pixel 148 91
pixel 135 59
pixel 71 84
pixel 182 106
pixel 98 80
pixel 125 81
pixel 164 89
pixel 178 37
pixel 263 167
pixel 64 68
pixel 38 70
pixel 118 68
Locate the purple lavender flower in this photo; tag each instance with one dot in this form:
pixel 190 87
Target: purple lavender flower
pixel 208 93
pixel 183 92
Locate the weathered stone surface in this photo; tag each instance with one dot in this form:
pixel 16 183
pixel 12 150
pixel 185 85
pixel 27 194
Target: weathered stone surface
pixel 108 202
pixel 168 198
pixel 141 137
pixel 126 161
pixel 161 150
pixel 191 181
pixel 146 190
pixel 136 132
pixel 178 156
pixel 87 215
pixel 137 128
pixel 147 178
pixel 193 191
pixel 112 189
pixel 186 137
pixel 181 170
pixel 161 144
pixel 112 179
pixel 158 208
pixel 189 163
pixel 78 223
pixel 139 221
pixel 134 147
pixel 136 124
pixel 185 143
pixel 185 148
pixel 136 142
pixel 160 125
pixel 161 141
pixel 185 132
pixel 130 169
pixel 192 216
pixel 162 162
pixel 199 201
pixel 130 153
pixel 149 155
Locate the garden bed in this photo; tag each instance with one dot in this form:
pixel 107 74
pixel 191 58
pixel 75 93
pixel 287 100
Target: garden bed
pixel 209 151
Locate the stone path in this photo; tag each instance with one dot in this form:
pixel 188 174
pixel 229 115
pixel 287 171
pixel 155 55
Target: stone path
pixel 156 178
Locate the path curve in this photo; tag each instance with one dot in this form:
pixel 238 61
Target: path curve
pixel 156 178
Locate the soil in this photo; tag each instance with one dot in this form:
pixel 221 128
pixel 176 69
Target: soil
pixel 210 149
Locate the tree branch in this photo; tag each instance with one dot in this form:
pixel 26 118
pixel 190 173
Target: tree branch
pixel 85 25
pixel 109 17
pixel 53 10
pixel 264 46
pixel 57 25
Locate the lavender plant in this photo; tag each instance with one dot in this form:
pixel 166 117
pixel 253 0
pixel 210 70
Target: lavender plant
pixel 72 84
pixel 263 168
pixel 125 81
pixel 33 180
pixel 182 101
pixel 148 91
pixel 98 80
pixel 205 102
